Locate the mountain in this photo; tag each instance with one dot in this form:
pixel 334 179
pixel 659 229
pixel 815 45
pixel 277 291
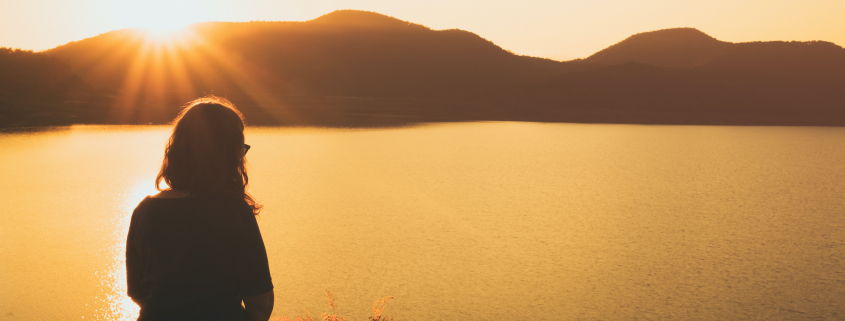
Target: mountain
pixel 678 47
pixel 343 53
pixel 290 68
pixel 688 78
pixel 644 94
pixel 34 74
pixel 38 88
pixel 358 68
pixel 691 48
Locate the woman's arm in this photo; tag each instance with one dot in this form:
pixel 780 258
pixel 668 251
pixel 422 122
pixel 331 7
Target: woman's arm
pixel 259 307
pixel 133 262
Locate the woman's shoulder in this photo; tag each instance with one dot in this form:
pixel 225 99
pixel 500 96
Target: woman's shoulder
pixel 162 198
pixel 170 193
pixel 174 201
pixel 160 201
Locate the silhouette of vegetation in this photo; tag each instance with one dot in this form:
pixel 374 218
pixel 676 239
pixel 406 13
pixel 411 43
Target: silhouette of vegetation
pixel 33 73
pixel 644 94
pixel 358 68
pixel 683 76
pixel 378 311
pixel 35 87
pixel 344 53
pixel 678 47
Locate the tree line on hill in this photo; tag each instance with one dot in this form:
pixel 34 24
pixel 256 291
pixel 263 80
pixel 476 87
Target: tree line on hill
pixel 356 68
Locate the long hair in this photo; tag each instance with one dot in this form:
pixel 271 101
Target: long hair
pixel 205 153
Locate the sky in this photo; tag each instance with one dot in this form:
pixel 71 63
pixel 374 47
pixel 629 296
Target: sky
pixel 560 30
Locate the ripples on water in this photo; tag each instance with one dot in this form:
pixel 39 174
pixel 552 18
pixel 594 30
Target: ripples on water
pixel 474 221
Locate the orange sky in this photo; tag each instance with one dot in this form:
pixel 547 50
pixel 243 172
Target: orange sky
pixel 562 29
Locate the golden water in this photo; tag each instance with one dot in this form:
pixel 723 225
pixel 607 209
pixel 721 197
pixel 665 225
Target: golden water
pixel 475 221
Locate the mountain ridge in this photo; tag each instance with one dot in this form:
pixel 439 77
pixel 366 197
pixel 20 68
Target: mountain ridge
pixel 393 49
pixel 689 47
pixel 674 47
pixel 358 68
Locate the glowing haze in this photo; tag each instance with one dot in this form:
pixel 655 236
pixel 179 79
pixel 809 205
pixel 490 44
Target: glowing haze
pixel 555 29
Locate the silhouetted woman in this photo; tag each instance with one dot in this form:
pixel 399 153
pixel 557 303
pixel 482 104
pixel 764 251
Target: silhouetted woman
pixel 194 251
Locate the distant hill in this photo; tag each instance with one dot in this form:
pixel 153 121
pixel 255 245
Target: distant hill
pixel 36 74
pixel 260 64
pixel 644 94
pixel 816 63
pixel 38 88
pixel 684 76
pixel 691 48
pixel 679 47
pixel 343 53
pixel 698 80
pixel 358 68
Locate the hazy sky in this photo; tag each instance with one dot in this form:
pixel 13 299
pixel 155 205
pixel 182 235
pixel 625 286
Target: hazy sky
pixel 563 29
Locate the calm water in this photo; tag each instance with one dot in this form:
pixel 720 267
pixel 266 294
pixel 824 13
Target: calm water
pixel 477 221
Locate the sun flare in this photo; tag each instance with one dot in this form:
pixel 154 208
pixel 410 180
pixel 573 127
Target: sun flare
pixel 165 33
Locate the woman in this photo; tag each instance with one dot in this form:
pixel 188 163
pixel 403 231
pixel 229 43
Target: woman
pixel 194 251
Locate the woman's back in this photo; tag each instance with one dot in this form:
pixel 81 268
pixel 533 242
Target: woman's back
pixel 194 251
pixel 195 258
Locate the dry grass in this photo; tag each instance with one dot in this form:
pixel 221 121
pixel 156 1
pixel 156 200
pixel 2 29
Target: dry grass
pixel 378 310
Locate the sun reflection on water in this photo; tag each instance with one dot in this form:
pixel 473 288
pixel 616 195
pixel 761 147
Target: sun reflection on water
pixel 118 306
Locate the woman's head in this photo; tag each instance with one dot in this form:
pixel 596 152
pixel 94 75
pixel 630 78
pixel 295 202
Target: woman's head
pixel 205 153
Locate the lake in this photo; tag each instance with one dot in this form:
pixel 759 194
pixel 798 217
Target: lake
pixel 473 221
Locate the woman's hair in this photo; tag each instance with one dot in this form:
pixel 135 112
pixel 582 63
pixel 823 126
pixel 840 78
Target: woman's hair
pixel 205 153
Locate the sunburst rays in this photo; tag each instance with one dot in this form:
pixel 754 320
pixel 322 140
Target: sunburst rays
pixel 162 72
pixel 241 73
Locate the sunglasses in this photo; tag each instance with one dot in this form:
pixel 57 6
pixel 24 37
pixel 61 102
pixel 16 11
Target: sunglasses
pixel 246 148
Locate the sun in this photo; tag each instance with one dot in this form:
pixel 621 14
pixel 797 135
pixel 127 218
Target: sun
pixel 164 31
pixel 158 17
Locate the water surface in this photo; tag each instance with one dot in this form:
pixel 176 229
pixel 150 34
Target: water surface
pixel 472 221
